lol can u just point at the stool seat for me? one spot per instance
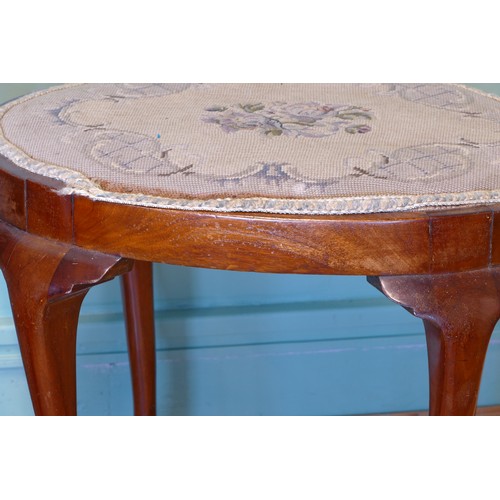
(398, 182)
(271, 148)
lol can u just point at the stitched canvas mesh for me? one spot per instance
(285, 148)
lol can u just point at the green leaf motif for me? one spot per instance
(252, 108)
(213, 109)
(353, 115)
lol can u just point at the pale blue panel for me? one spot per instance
(4, 301)
(323, 378)
(9, 91)
(191, 287)
(187, 287)
(221, 369)
(491, 88)
(14, 396)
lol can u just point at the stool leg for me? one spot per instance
(47, 283)
(137, 291)
(459, 312)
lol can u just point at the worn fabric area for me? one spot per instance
(277, 148)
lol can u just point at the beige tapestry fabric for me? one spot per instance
(277, 148)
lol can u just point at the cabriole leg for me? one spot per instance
(137, 291)
(47, 282)
(459, 312)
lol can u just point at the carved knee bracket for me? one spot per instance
(47, 282)
(459, 312)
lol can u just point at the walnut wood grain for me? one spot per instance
(47, 282)
(495, 240)
(459, 311)
(254, 242)
(421, 242)
(137, 291)
(12, 202)
(460, 242)
(389, 244)
(50, 214)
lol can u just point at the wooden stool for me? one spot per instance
(396, 182)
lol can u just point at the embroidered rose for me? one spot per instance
(311, 119)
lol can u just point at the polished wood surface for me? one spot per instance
(424, 242)
(47, 282)
(137, 290)
(257, 242)
(440, 264)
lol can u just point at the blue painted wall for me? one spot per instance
(248, 344)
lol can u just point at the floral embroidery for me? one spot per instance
(310, 119)
(104, 147)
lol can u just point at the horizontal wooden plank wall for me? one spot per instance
(248, 344)
(232, 344)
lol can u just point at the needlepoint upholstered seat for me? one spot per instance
(398, 182)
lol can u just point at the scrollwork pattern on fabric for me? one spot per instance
(137, 154)
(363, 148)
